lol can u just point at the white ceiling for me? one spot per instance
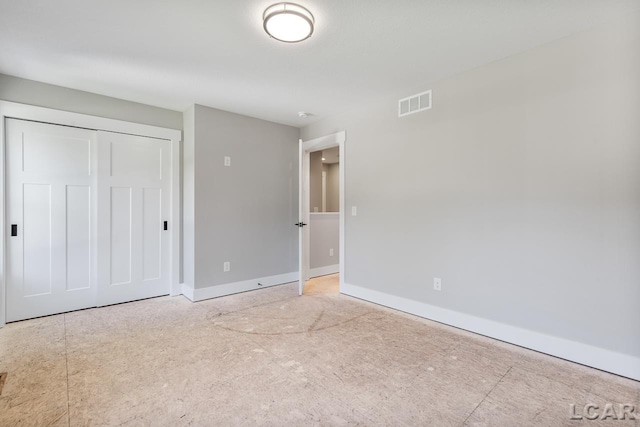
(173, 53)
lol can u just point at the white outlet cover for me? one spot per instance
(227, 161)
(437, 283)
(354, 211)
(226, 266)
(331, 252)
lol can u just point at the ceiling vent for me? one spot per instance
(414, 103)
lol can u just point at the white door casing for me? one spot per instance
(324, 191)
(50, 203)
(306, 147)
(134, 188)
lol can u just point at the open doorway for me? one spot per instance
(324, 222)
(321, 248)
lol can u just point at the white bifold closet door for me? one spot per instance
(88, 210)
(51, 219)
(133, 199)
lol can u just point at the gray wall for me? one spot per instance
(188, 198)
(244, 213)
(30, 92)
(315, 181)
(324, 231)
(520, 189)
(316, 167)
(333, 187)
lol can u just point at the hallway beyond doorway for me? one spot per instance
(325, 285)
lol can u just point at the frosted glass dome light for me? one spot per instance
(288, 22)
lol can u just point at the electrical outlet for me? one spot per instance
(227, 161)
(437, 283)
(331, 252)
(227, 266)
(354, 211)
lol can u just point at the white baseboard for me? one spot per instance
(323, 271)
(606, 360)
(187, 291)
(176, 290)
(200, 294)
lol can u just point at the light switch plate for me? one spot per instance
(354, 211)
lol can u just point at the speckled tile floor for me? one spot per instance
(270, 357)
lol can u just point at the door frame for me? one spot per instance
(12, 110)
(307, 147)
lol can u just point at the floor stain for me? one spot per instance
(310, 330)
(315, 322)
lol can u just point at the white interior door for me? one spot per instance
(134, 196)
(301, 276)
(51, 243)
(303, 215)
(306, 213)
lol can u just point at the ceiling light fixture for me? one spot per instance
(288, 22)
